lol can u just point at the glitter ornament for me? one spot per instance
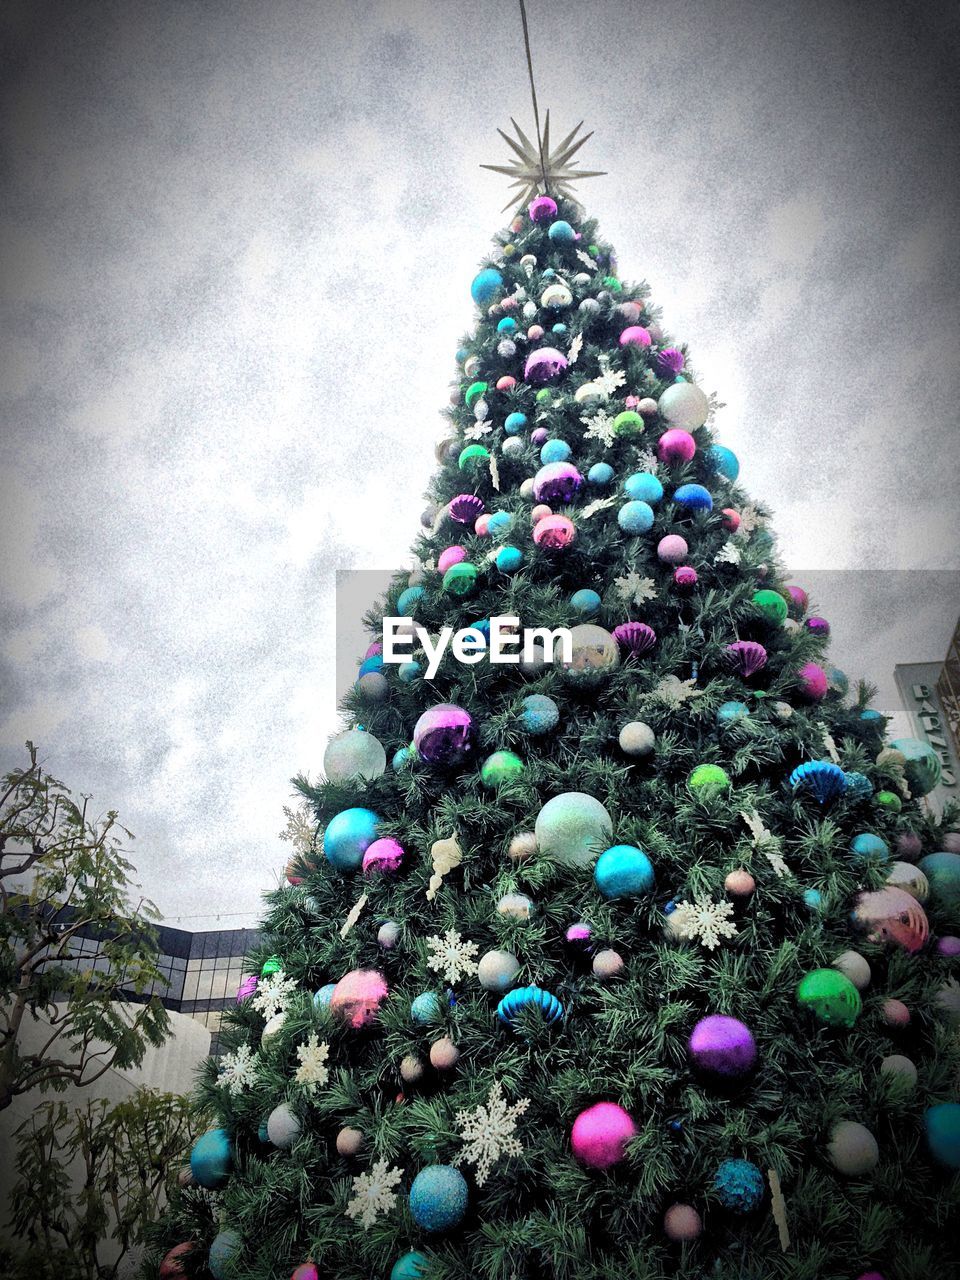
(853, 966)
(830, 996)
(283, 1127)
(171, 1268)
(722, 1047)
(643, 486)
(593, 653)
(554, 533)
(623, 871)
(635, 517)
(540, 714)
(739, 1186)
(600, 474)
(813, 682)
(607, 964)
(706, 778)
(682, 1223)
(498, 970)
(909, 845)
(306, 1271)
(347, 837)
(383, 857)
(514, 423)
(730, 519)
(890, 915)
(557, 482)
(354, 754)
(465, 508)
(852, 1149)
(211, 1159)
(358, 996)
(425, 1008)
(545, 365)
(523, 845)
(225, 1248)
(732, 711)
(438, 1197)
(411, 1069)
(895, 1013)
(676, 447)
(672, 549)
(518, 906)
(822, 779)
(942, 872)
(573, 828)
(637, 739)
(600, 1135)
(500, 767)
(444, 735)
(685, 575)
(684, 405)
(485, 286)
(585, 601)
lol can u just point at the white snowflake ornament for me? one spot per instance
(675, 692)
(301, 829)
(729, 553)
(488, 1132)
(477, 431)
(273, 994)
(598, 504)
(373, 1194)
(576, 346)
(599, 426)
(634, 589)
(702, 920)
(451, 956)
(312, 1071)
(238, 1071)
(609, 379)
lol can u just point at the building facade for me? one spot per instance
(930, 692)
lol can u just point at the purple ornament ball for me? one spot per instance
(544, 365)
(383, 857)
(600, 1135)
(819, 626)
(672, 549)
(542, 209)
(465, 508)
(685, 575)
(358, 995)
(247, 987)
(676, 445)
(540, 435)
(909, 846)
(723, 1047)
(444, 734)
(813, 681)
(669, 362)
(949, 947)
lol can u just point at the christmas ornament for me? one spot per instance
(388, 934)
(723, 462)
(635, 336)
(739, 883)
(514, 423)
(643, 487)
(306, 1271)
(593, 653)
(444, 735)
(373, 1194)
(573, 828)
(623, 871)
(601, 473)
(540, 714)
(600, 1135)
(347, 837)
(358, 996)
(425, 1008)
(853, 966)
(948, 947)
(485, 286)
(500, 767)
(942, 871)
(637, 739)
(900, 1069)
(412, 1266)
(852, 1149)
(557, 482)
(684, 405)
(746, 657)
(607, 964)
(555, 451)
(628, 423)
(225, 1248)
(270, 966)
(635, 637)
(515, 1002)
(693, 497)
(830, 996)
(465, 508)
(707, 778)
(703, 920)
(905, 876)
(772, 605)
(283, 1127)
(451, 956)
(561, 232)
(922, 764)
(554, 533)
(460, 579)
(739, 1186)
(247, 988)
(444, 1054)
(523, 845)
(856, 786)
(942, 1128)
(544, 365)
(675, 447)
(488, 1132)
(895, 1013)
(211, 1159)
(681, 1223)
(515, 905)
(672, 549)
(821, 778)
(354, 754)
(893, 916)
(909, 845)
(731, 712)
(635, 517)
(383, 857)
(813, 681)
(438, 1197)
(445, 854)
(867, 845)
(722, 1047)
(497, 970)
(171, 1268)
(349, 1141)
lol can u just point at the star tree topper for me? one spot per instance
(556, 171)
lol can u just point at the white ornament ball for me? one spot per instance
(512, 445)
(517, 906)
(853, 966)
(556, 296)
(589, 393)
(528, 260)
(480, 410)
(900, 1068)
(537, 660)
(852, 1149)
(349, 1141)
(607, 964)
(581, 278)
(411, 1069)
(947, 1001)
(637, 738)
(529, 310)
(589, 307)
(444, 1054)
(791, 624)
(506, 347)
(523, 845)
(647, 407)
(373, 686)
(526, 488)
(684, 405)
(783, 710)
(497, 970)
(905, 876)
(273, 1025)
(471, 366)
(283, 1127)
(388, 934)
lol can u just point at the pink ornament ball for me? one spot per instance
(305, 1271)
(813, 681)
(544, 365)
(730, 519)
(909, 846)
(681, 1222)
(672, 549)
(535, 332)
(374, 650)
(555, 533)
(685, 575)
(506, 383)
(798, 599)
(579, 934)
(950, 842)
(481, 526)
(450, 556)
(948, 947)
(542, 209)
(635, 336)
(895, 1013)
(647, 407)
(349, 1141)
(676, 446)
(516, 225)
(540, 512)
(600, 1135)
(358, 995)
(383, 857)
(630, 312)
(444, 1054)
(870, 1275)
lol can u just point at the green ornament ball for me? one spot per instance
(628, 423)
(502, 766)
(612, 283)
(889, 800)
(473, 393)
(772, 605)
(472, 456)
(272, 964)
(460, 579)
(923, 768)
(706, 778)
(830, 996)
(543, 396)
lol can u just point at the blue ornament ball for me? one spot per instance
(425, 1008)
(438, 1197)
(555, 451)
(540, 714)
(731, 712)
(500, 522)
(507, 325)
(559, 328)
(411, 1266)
(601, 473)
(694, 497)
(509, 559)
(644, 487)
(347, 837)
(224, 1250)
(867, 845)
(585, 601)
(723, 461)
(942, 1126)
(561, 232)
(635, 517)
(406, 603)
(514, 423)
(462, 354)
(521, 998)
(323, 997)
(623, 871)
(813, 899)
(486, 284)
(482, 627)
(739, 1185)
(872, 717)
(373, 663)
(820, 777)
(211, 1159)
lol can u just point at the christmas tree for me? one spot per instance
(635, 959)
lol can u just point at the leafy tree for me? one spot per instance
(63, 875)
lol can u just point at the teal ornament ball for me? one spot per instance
(408, 672)
(813, 899)
(693, 497)
(522, 998)
(514, 423)
(347, 837)
(555, 451)
(323, 997)
(942, 1127)
(438, 1197)
(923, 768)
(509, 559)
(635, 517)
(867, 845)
(739, 1186)
(561, 232)
(407, 601)
(500, 522)
(374, 662)
(586, 602)
(354, 754)
(723, 462)
(411, 1266)
(600, 474)
(857, 786)
(224, 1250)
(211, 1159)
(730, 712)
(943, 872)
(623, 871)
(401, 756)
(486, 285)
(572, 828)
(643, 486)
(425, 1008)
(540, 714)
(838, 681)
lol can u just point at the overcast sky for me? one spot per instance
(237, 241)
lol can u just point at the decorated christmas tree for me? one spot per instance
(624, 953)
